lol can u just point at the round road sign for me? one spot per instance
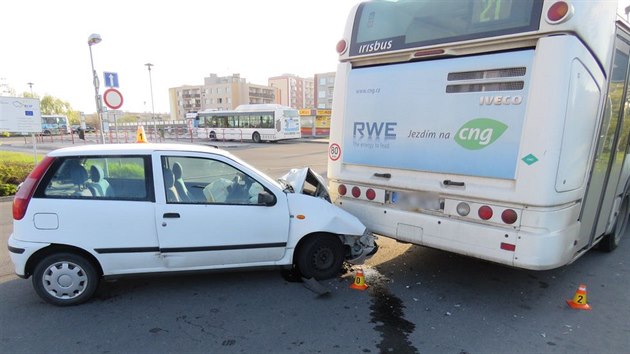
(113, 98)
(334, 152)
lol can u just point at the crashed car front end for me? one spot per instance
(360, 247)
(303, 186)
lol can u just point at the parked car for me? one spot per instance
(100, 211)
(88, 129)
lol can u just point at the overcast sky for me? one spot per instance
(45, 42)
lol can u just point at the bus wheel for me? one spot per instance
(611, 241)
(256, 137)
(212, 136)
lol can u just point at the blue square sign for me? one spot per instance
(111, 79)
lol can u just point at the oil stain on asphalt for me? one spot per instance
(388, 315)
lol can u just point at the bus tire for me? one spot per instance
(212, 136)
(256, 137)
(611, 241)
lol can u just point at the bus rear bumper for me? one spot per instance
(535, 249)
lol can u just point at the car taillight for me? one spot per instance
(356, 192)
(509, 216)
(485, 212)
(559, 12)
(342, 190)
(24, 194)
(370, 194)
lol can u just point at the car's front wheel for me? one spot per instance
(320, 257)
(65, 279)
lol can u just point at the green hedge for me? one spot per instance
(14, 167)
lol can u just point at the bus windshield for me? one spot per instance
(381, 27)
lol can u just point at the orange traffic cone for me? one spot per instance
(359, 281)
(579, 299)
(141, 137)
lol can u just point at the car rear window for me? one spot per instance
(99, 177)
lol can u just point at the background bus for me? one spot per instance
(258, 122)
(55, 125)
(491, 128)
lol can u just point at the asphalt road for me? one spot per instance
(418, 300)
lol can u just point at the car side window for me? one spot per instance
(98, 177)
(207, 181)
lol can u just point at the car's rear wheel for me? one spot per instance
(320, 257)
(65, 279)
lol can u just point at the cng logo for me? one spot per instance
(479, 133)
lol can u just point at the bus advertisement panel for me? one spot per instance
(391, 110)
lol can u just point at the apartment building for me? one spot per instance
(220, 93)
(324, 88)
(295, 91)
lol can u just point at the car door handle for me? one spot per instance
(171, 215)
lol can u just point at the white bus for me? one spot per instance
(496, 129)
(55, 125)
(258, 122)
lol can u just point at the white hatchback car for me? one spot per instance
(110, 210)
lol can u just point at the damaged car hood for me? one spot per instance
(306, 181)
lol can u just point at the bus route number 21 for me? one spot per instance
(334, 152)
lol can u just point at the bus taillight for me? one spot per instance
(356, 192)
(485, 212)
(342, 190)
(370, 194)
(463, 209)
(509, 216)
(341, 46)
(559, 12)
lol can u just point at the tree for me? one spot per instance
(52, 105)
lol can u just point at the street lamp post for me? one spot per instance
(149, 65)
(30, 85)
(92, 40)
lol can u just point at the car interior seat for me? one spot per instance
(169, 180)
(99, 183)
(180, 186)
(79, 177)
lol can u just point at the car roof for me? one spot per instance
(134, 149)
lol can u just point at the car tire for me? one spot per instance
(320, 257)
(611, 241)
(256, 137)
(65, 279)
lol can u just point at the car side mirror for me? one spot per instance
(266, 198)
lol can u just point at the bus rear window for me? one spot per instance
(382, 26)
